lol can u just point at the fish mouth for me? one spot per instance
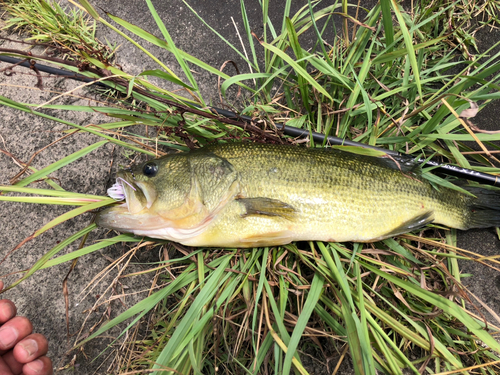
(137, 197)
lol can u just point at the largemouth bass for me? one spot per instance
(247, 195)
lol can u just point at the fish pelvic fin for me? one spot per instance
(415, 223)
(267, 207)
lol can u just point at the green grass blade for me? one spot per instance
(363, 331)
(309, 305)
(71, 214)
(173, 48)
(286, 15)
(388, 360)
(52, 193)
(419, 338)
(173, 348)
(241, 77)
(161, 43)
(409, 47)
(41, 263)
(283, 333)
(366, 100)
(89, 8)
(352, 337)
(261, 355)
(59, 164)
(394, 55)
(297, 49)
(397, 248)
(90, 249)
(50, 200)
(483, 137)
(21, 107)
(326, 69)
(385, 5)
(248, 30)
(297, 68)
(355, 331)
(444, 304)
(201, 324)
(258, 294)
(319, 38)
(254, 65)
(131, 28)
(357, 50)
(144, 306)
(168, 77)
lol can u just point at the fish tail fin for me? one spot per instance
(483, 211)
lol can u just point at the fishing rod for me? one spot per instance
(446, 169)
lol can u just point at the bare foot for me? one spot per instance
(21, 352)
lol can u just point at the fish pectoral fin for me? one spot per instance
(267, 207)
(415, 223)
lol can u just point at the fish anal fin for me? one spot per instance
(416, 222)
(267, 207)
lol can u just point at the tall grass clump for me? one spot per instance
(66, 30)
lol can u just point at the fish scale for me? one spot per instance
(246, 194)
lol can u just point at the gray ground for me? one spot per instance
(41, 297)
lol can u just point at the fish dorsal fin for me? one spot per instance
(414, 223)
(401, 163)
(267, 207)
(404, 163)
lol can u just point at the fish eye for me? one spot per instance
(150, 169)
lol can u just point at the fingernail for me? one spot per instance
(30, 346)
(36, 365)
(6, 311)
(8, 336)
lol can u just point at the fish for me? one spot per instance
(251, 195)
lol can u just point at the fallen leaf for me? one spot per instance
(471, 112)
